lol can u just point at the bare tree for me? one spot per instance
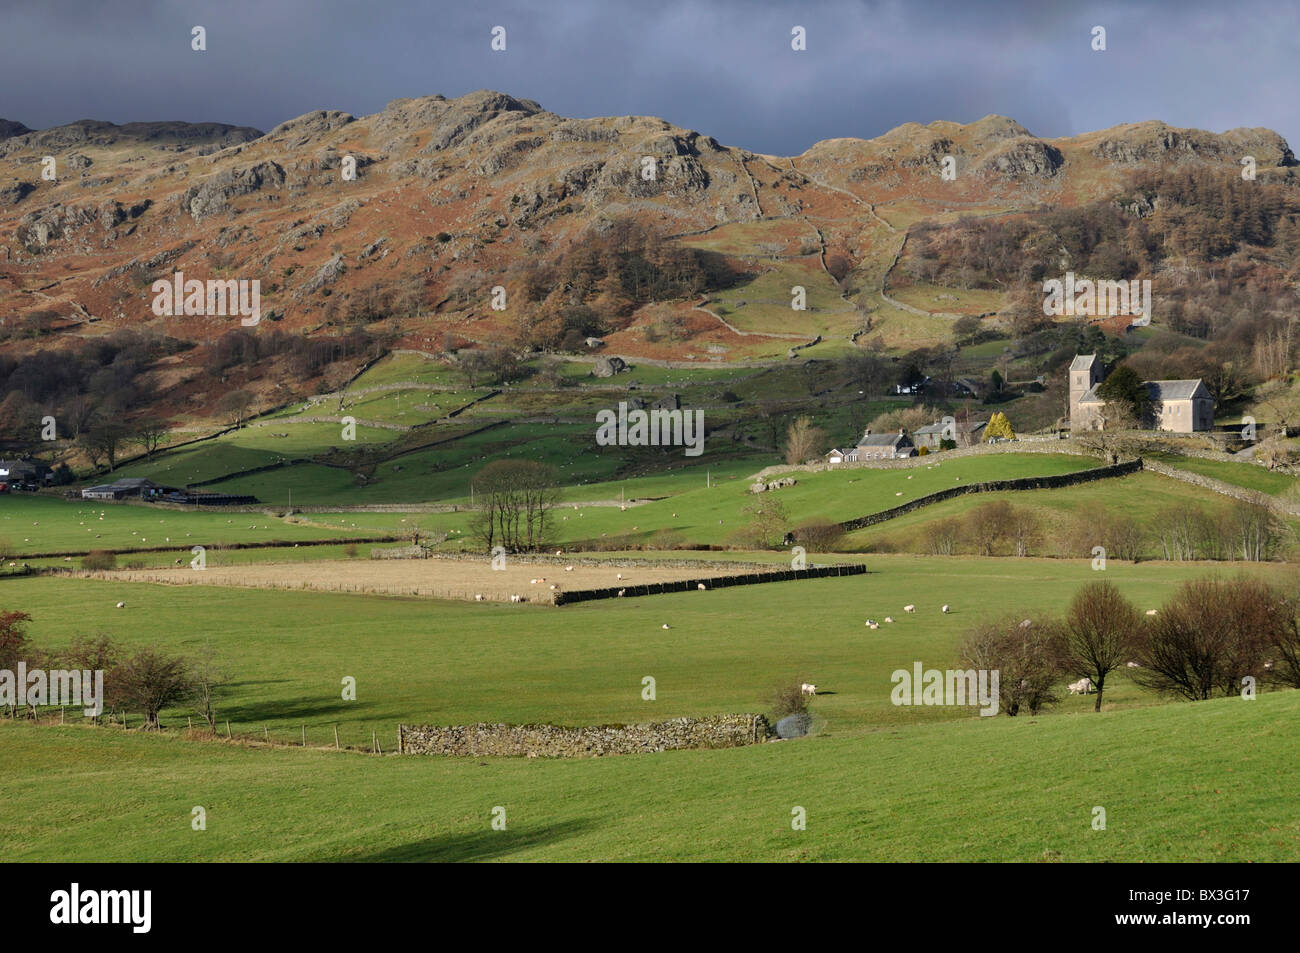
(803, 441)
(1027, 658)
(235, 406)
(150, 434)
(150, 681)
(989, 525)
(1209, 636)
(767, 520)
(209, 677)
(1100, 633)
(513, 500)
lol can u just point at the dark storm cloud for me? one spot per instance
(723, 67)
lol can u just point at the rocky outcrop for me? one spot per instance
(608, 366)
(216, 192)
(91, 132)
(1023, 157)
(9, 128)
(555, 741)
(462, 116)
(1154, 141)
(15, 192)
(327, 274)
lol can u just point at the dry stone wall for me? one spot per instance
(713, 582)
(594, 741)
(992, 486)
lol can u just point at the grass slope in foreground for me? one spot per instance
(1212, 781)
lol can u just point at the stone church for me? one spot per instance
(1181, 406)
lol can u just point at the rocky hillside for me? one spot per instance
(453, 196)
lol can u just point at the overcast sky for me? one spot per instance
(724, 67)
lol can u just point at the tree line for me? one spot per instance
(1212, 637)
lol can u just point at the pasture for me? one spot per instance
(471, 579)
(1207, 782)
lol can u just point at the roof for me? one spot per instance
(126, 482)
(1082, 362)
(881, 439)
(1173, 390)
(1157, 390)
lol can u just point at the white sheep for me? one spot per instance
(516, 598)
(701, 586)
(121, 605)
(889, 618)
(478, 597)
(1132, 665)
(806, 689)
(944, 610)
(909, 608)
(1151, 612)
(568, 569)
(667, 626)
(620, 593)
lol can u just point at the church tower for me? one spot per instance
(1085, 373)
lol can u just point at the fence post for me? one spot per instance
(304, 736)
(336, 737)
(227, 729)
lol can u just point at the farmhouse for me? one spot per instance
(882, 446)
(25, 471)
(1179, 406)
(138, 488)
(965, 434)
(128, 487)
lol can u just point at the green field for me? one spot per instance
(1245, 474)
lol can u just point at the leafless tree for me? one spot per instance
(1100, 633)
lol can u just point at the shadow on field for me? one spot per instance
(480, 845)
(290, 711)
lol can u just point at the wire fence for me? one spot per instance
(333, 736)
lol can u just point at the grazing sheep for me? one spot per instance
(1132, 665)
(554, 588)
(667, 626)
(121, 605)
(478, 597)
(889, 618)
(516, 598)
(619, 576)
(944, 609)
(1151, 612)
(806, 689)
(620, 593)
(568, 569)
(1027, 623)
(701, 587)
(909, 608)
(1082, 687)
